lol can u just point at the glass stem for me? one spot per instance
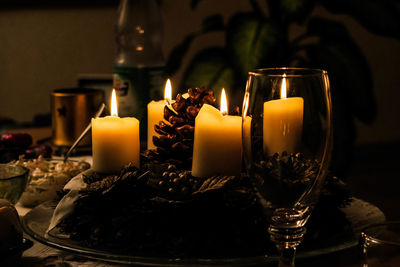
(286, 241)
(287, 256)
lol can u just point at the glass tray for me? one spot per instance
(35, 224)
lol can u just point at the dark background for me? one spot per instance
(46, 46)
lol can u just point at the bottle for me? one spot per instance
(139, 64)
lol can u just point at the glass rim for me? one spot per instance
(371, 238)
(279, 72)
(23, 169)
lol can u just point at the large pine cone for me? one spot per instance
(176, 135)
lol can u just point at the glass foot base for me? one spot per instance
(286, 237)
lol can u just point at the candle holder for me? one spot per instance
(287, 139)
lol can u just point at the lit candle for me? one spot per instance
(155, 114)
(217, 148)
(115, 141)
(283, 123)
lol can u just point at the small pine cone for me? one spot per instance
(176, 134)
(164, 129)
(179, 103)
(185, 131)
(201, 96)
(175, 140)
(192, 111)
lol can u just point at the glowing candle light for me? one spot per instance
(155, 113)
(115, 141)
(217, 148)
(282, 123)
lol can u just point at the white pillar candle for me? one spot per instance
(282, 123)
(155, 114)
(217, 148)
(115, 142)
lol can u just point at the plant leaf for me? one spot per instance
(326, 29)
(214, 183)
(347, 67)
(377, 16)
(213, 23)
(256, 8)
(174, 61)
(175, 58)
(291, 10)
(250, 40)
(209, 68)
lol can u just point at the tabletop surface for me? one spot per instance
(372, 178)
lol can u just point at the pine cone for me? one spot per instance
(175, 140)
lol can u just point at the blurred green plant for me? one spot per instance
(260, 38)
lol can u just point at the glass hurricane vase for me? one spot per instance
(287, 143)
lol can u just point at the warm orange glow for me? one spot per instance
(168, 91)
(283, 87)
(224, 103)
(114, 106)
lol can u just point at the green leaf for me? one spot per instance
(290, 10)
(377, 16)
(175, 58)
(256, 8)
(250, 41)
(213, 23)
(210, 68)
(347, 67)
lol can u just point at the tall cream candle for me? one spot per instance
(217, 148)
(282, 123)
(155, 113)
(115, 142)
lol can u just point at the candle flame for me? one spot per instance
(114, 107)
(168, 91)
(283, 87)
(224, 104)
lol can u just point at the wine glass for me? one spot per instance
(287, 141)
